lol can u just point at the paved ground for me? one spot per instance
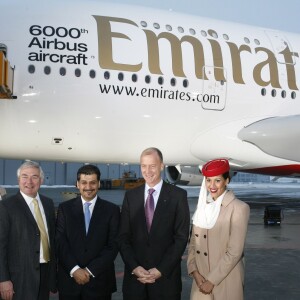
(272, 252)
(272, 257)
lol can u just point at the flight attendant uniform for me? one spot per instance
(216, 252)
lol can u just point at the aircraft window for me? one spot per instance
(134, 77)
(62, 71)
(192, 31)
(92, 73)
(185, 83)
(47, 70)
(144, 24)
(283, 94)
(121, 76)
(31, 69)
(173, 81)
(106, 75)
(203, 33)
(160, 80)
(273, 93)
(156, 26)
(226, 37)
(169, 27)
(180, 29)
(212, 33)
(222, 82)
(256, 41)
(147, 79)
(293, 95)
(77, 72)
(263, 92)
(247, 41)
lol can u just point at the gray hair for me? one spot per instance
(153, 150)
(31, 164)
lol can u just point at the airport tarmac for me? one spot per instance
(272, 253)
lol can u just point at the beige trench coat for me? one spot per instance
(217, 253)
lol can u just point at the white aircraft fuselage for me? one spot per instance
(96, 82)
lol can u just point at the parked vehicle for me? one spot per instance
(273, 215)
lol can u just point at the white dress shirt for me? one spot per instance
(155, 194)
(28, 200)
(91, 208)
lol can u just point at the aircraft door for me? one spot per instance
(214, 91)
(279, 43)
(6, 75)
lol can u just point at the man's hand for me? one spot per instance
(6, 290)
(143, 275)
(81, 276)
(156, 274)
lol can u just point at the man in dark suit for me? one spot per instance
(154, 231)
(27, 229)
(86, 232)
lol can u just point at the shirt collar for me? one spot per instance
(29, 199)
(157, 187)
(93, 201)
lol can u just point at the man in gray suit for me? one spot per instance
(27, 225)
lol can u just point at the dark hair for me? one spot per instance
(153, 150)
(88, 170)
(226, 175)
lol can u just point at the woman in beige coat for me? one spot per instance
(215, 254)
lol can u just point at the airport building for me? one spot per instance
(249, 177)
(58, 173)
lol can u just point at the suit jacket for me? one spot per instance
(97, 250)
(20, 246)
(162, 247)
(217, 253)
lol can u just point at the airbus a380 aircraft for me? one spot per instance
(95, 82)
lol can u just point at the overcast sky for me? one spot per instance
(275, 14)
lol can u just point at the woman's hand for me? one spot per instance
(198, 278)
(206, 287)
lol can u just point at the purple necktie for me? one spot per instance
(149, 208)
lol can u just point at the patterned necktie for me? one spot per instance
(87, 215)
(43, 233)
(149, 208)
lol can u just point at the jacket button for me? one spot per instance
(205, 253)
(198, 252)
(205, 236)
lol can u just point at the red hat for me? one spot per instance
(215, 167)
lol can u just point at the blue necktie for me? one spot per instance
(149, 208)
(87, 215)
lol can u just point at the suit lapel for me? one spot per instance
(161, 206)
(229, 196)
(139, 204)
(25, 209)
(97, 212)
(78, 213)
